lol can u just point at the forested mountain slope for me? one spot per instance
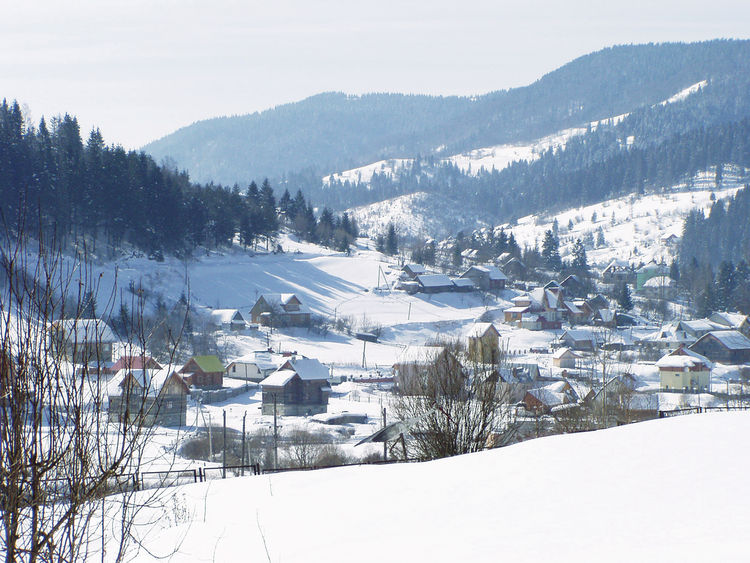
(333, 131)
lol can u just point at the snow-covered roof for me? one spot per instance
(730, 339)
(572, 307)
(494, 272)
(733, 320)
(415, 268)
(516, 309)
(308, 369)
(606, 315)
(151, 380)
(579, 335)
(560, 352)
(659, 281)
(463, 282)
(84, 330)
(226, 316)
(278, 298)
(434, 280)
(419, 354)
(478, 330)
(683, 358)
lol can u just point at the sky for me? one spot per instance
(140, 69)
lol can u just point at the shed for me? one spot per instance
(204, 372)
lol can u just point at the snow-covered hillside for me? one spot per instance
(634, 228)
(640, 492)
(418, 215)
(495, 157)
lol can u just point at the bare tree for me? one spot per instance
(452, 409)
(60, 455)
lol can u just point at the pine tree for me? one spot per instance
(391, 240)
(624, 300)
(580, 262)
(551, 251)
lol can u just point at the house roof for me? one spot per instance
(579, 335)
(730, 339)
(493, 272)
(682, 358)
(308, 369)
(278, 298)
(733, 320)
(518, 309)
(419, 354)
(561, 352)
(434, 280)
(415, 268)
(151, 380)
(463, 282)
(135, 362)
(478, 330)
(84, 330)
(606, 315)
(659, 281)
(701, 325)
(226, 316)
(572, 307)
(208, 364)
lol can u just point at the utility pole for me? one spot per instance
(224, 447)
(385, 442)
(408, 315)
(364, 347)
(243, 462)
(275, 436)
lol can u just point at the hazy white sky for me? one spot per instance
(141, 69)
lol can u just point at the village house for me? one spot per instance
(488, 278)
(411, 271)
(279, 309)
(254, 367)
(203, 372)
(724, 346)
(148, 396)
(229, 319)
(605, 318)
(540, 309)
(618, 272)
(732, 321)
(543, 399)
(698, 328)
(82, 340)
(463, 285)
(645, 273)
(573, 286)
(484, 343)
(515, 268)
(670, 337)
(684, 369)
(418, 360)
(579, 339)
(659, 287)
(565, 358)
(434, 283)
(300, 387)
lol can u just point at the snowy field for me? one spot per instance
(640, 492)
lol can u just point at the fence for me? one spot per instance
(698, 410)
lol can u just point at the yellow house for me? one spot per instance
(684, 369)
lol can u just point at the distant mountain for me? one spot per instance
(332, 132)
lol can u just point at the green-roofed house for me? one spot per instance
(204, 372)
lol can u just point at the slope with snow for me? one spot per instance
(664, 490)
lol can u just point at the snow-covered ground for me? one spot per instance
(663, 490)
(634, 227)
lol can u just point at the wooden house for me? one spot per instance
(573, 286)
(659, 287)
(565, 358)
(435, 283)
(544, 399)
(82, 340)
(204, 372)
(148, 396)
(254, 367)
(732, 321)
(134, 362)
(617, 272)
(578, 339)
(300, 387)
(488, 278)
(724, 346)
(484, 343)
(684, 369)
(411, 271)
(279, 309)
(515, 269)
